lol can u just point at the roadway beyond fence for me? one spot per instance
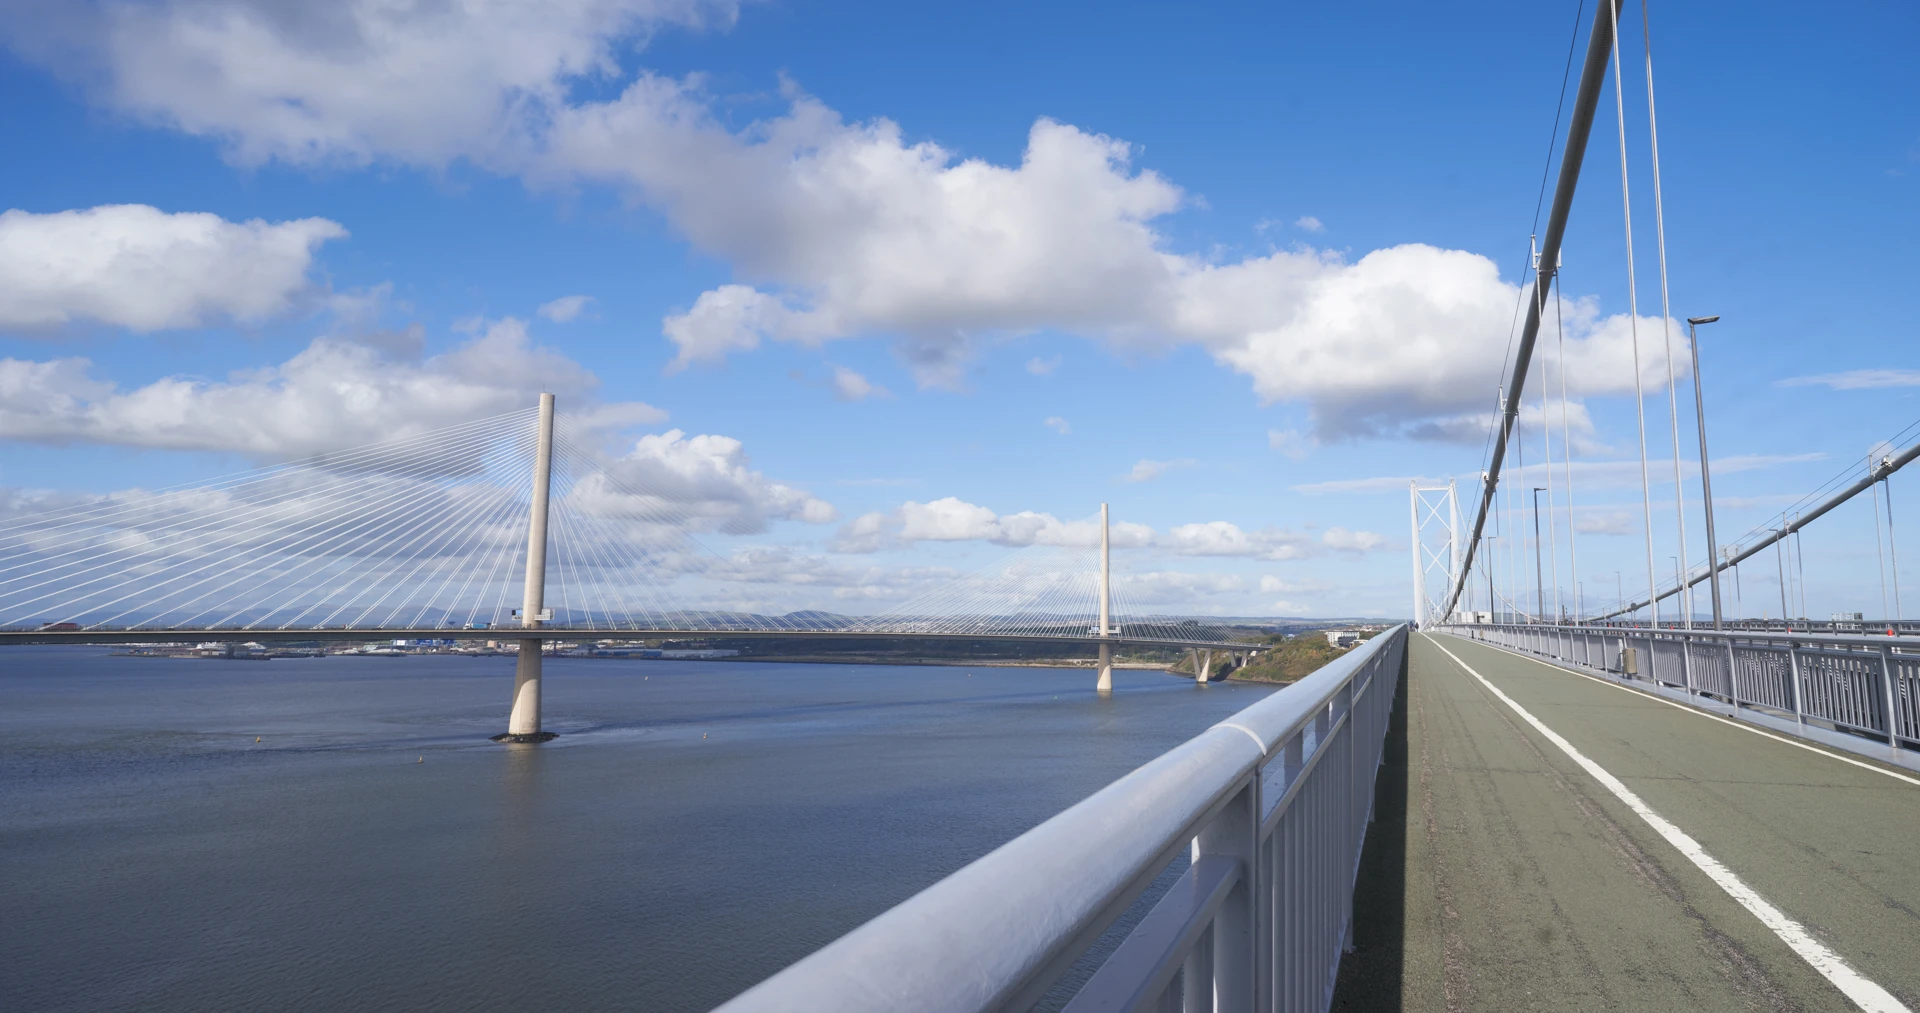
(1609, 850)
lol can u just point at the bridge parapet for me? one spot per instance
(1854, 691)
(1269, 809)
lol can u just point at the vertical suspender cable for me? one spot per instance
(1633, 327)
(1666, 332)
(1879, 552)
(1886, 485)
(1566, 440)
(1546, 441)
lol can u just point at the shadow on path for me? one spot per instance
(1370, 976)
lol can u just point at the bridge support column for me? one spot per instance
(1105, 683)
(523, 722)
(1204, 671)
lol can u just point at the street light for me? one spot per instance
(1706, 480)
(1539, 582)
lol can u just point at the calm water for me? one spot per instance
(698, 826)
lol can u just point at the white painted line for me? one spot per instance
(1709, 715)
(1865, 993)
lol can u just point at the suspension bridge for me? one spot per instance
(1521, 805)
(1502, 805)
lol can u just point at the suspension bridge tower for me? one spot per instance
(1436, 546)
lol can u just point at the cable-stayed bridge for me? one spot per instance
(521, 526)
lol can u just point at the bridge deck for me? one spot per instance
(1502, 875)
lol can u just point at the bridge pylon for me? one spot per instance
(1105, 685)
(523, 722)
(1436, 545)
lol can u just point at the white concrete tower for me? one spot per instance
(1105, 684)
(523, 725)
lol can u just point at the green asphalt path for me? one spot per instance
(1500, 875)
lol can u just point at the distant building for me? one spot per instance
(1342, 638)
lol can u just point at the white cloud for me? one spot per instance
(1605, 522)
(354, 81)
(955, 520)
(1290, 443)
(1176, 590)
(1224, 538)
(565, 309)
(1043, 367)
(692, 483)
(1308, 223)
(335, 394)
(836, 229)
(1343, 540)
(1308, 585)
(134, 266)
(851, 386)
(951, 519)
(1857, 379)
(1146, 471)
(1057, 424)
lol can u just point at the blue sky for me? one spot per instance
(1253, 255)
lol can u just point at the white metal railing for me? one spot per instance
(1865, 686)
(1269, 809)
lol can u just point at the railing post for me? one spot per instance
(1234, 833)
(1686, 661)
(1886, 681)
(1793, 674)
(1733, 673)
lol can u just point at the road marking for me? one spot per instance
(1742, 725)
(1863, 991)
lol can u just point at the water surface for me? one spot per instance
(696, 827)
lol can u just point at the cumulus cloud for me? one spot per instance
(1308, 223)
(1043, 367)
(839, 229)
(1343, 540)
(1224, 538)
(1146, 471)
(335, 394)
(951, 519)
(692, 483)
(134, 266)
(565, 309)
(1174, 589)
(1057, 424)
(851, 386)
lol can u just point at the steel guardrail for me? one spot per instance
(1853, 690)
(1268, 809)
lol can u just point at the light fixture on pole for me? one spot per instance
(1706, 479)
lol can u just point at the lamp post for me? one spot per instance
(1539, 581)
(1706, 480)
(1619, 595)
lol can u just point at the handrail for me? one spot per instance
(997, 934)
(1858, 692)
